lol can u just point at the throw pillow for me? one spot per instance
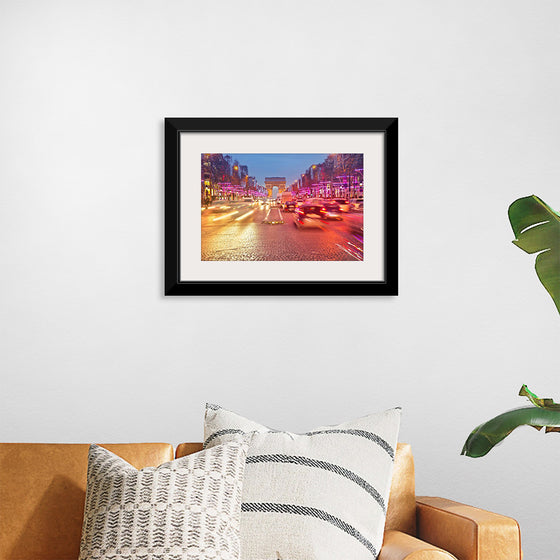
(313, 496)
(185, 509)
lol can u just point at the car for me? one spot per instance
(309, 214)
(357, 205)
(332, 210)
(289, 206)
(343, 203)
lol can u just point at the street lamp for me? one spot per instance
(314, 178)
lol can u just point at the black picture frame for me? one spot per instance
(175, 286)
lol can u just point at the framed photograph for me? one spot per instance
(281, 206)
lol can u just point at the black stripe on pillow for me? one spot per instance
(312, 512)
(315, 463)
(360, 433)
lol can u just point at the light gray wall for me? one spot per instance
(92, 351)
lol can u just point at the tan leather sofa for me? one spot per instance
(42, 492)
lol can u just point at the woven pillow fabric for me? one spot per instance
(185, 509)
(321, 495)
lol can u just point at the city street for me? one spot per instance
(251, 231)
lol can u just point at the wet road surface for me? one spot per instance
(246, 231)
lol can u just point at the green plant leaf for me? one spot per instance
(543, 413)
(483, 438)
(536, 227)
(537, 401)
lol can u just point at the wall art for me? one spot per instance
(281, 206)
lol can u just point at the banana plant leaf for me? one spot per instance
(536, 227)
(537, 401)
(543, 413)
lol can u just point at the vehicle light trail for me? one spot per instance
(354, 254)
(226, 215)
(244, 215)
(359, 249)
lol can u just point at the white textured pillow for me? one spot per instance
(321, 495)
(187, 509)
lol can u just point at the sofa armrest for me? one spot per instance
(467, 532)
(401, 546)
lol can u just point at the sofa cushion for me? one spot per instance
(186, 509)
(322, 494)
(42, 492)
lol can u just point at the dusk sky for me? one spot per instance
(290, 166)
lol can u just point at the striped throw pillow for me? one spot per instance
(313, 496)
(187, 509)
